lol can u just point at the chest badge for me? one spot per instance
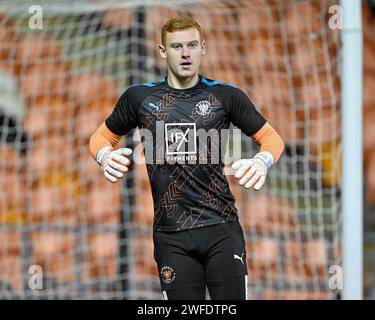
(203, 107)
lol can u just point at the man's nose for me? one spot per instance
(185, 52)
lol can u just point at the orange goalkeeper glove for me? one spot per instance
(252, 172)
(114, 163)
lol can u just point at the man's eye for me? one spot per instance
(192, 45)
(176, 46)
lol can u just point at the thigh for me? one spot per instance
(230, 290)
(226, 254)
(178, 269)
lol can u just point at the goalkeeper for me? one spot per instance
(198, 240)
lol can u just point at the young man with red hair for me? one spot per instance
(198, 240)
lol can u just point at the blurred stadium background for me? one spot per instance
(94, 239)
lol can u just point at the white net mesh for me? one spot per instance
(93, 239)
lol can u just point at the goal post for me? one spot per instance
(352, 188)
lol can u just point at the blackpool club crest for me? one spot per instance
(167, 274)
(203, 107)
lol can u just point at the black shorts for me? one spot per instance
(206, 256)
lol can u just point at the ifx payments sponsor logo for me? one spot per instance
(172, 143)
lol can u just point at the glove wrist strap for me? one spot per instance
(266, 157)
(101, 154)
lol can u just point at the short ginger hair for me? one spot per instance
(178, 24)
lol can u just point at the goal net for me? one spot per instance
(67, 233)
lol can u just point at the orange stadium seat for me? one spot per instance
(304, 263)
(317, 90)
(268, 214)
(368, 89)
(266, 251)
(49, 115)
(257, 17)
(8, 43)
(370, 179)
(7, 67)
(262, 53)
(369, 55)
(215, 20)
(11, 272)
(269, 295)
(103, 204)
(337, 248)
(42, 73)
(12, 182)
(287, 121)
(368, 134)
(260, 45)
(324, 137)
(220, 57)
(54, 252)
(293, 250)
(324, 128)
(89, 168)
(103, 245)
(49, 79)
(6, 34)
(262, 259)
(242, 198)
(293, 273)
(317, 295)
(369, 68)
(303, 17)
(145, 265)
(118, 18)
(10, 262)
(34, 48)
(144, 214)
(93, 87)
(51, 154)
(272, 88)
(100, 260)
(36, 119)
(12, 197)
(315, 259)
(214, 16)
(91, 116)
(308, 53)
(295, 295)
(283, 295)
(55, 203)
(9, 156)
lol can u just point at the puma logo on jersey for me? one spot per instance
(154, 106)
(238, 257)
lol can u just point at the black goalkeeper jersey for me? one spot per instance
(183, 138)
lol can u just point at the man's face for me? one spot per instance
(183, 51)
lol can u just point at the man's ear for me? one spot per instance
(203, 48)
(162, 51)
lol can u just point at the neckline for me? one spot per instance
(186, 90)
